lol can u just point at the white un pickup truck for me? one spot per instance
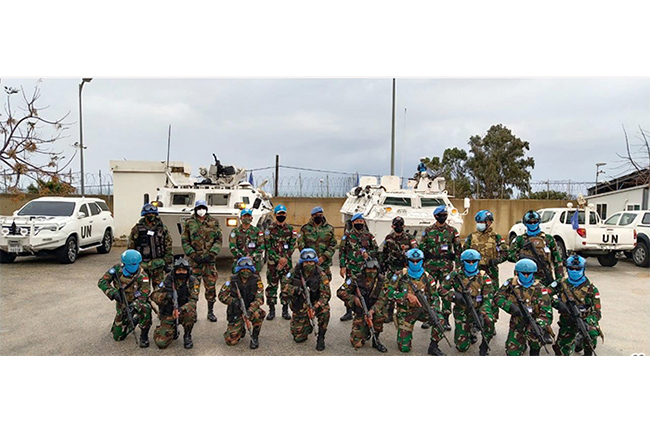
(62, 226)
(591, 239)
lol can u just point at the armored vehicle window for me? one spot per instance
(217, 199)
(94, 209)
(431, 202)
(613, 220)
(245, 200)
(626, 219)
(547, 216)
(182, 199)
(48, 208)
(397, 201)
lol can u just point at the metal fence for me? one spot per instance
(94, 183)
(573, 189)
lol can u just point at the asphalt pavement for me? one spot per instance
(51, 309)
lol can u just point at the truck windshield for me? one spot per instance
(48, 208)
(397, 201)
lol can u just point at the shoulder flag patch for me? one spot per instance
(394, 277)
(488, 281)
(111, 271)
(348, 281)
(267, 232)
(145, 279)
(228, 283)
(545, 291)
(232, 234)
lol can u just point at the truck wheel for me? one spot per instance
(640, 255)
(107, 243)
(7, 257)
(68, 253)
(561, 248)
(608, 260)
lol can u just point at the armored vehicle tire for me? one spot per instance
(608, 260)
(561, 248)
(7, 257)
(68, 253)
(107, 243)
(641, 255)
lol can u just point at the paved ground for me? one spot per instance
(52, 309)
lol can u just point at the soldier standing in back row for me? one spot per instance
(247, 240)
(318, 235)
(393, 256)
(152, 240)
(201, 241)
(357, 246)
(280, 240)
(441, 245)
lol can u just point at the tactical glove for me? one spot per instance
(198, 258)
(116, 296)
(562, 308)
(208, 258)
(458, 298)
(515, 310)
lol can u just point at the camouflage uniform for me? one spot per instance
(493, 250)
(319, 294)
(247, 243)
(137, 296)
(375, 294)
(154, 243)
(408, 314)
(353, 243)
(537, 299)
(203, 238)
(546, 248)
(394, 247)
(587, 299)
(280, 241)
(481, 293)
(441, 247)
(252, 291)
(188, 296)
(322, 240)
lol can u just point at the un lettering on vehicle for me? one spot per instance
(86, 231)
(607, 237)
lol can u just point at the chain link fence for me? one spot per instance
(571, 188)
(94, 183)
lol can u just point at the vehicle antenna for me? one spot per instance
(169, 141)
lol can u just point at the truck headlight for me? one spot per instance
(24, 231)
(5, 231)
(231, 222)
(51, 228)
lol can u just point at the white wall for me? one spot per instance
(618, 200)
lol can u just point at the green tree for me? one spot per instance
(54, 186)
(453, 168)
(498, 163)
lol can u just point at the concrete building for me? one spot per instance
(136, 183)
(628, 192)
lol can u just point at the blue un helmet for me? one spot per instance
(525, 269)
(308, 255)
(245, 263)
(576, 269)
(531, 221)
(148, 208)
(280, 208)
(246, 212)
(470, 259)
(483, 216)
(415, 259)
(131, 260)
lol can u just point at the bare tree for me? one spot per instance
(28, 139)
(637, 157)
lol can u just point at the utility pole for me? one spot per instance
(81, 136)
(277, 174)
(392, 139)
(169, 141)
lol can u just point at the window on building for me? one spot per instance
(627, 219)
(633, 207)
(601, 208)
(613, 220)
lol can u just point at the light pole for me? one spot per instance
(598, 171)
(81, 135)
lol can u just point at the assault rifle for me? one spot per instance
(434, 319)
(311, 314)
(579, 321)
(478, 322)
(125, 303)
(534, 326)
(175, 312)
(366, 315)
(244, 311)
(541, 263)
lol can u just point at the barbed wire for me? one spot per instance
(94, 183)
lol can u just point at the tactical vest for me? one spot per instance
(475, 288)
(150, 246)
(248, 291)
(312, 282)
(578, 294)
(370, 294)
(182, 292)
(486, 244)
(539, 244)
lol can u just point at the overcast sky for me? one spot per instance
(345, 124)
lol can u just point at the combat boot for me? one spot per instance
(254, 337)
(144, 337)
(271, 315)
(380, 347)
(187, 339)
(588, 351)
(348, 315)
(285, 312)
(534, 352)
(211, 316)
(483, 349)
(578, 348)
(434, 350)
(320, 340)
(472, 338)
(447, 325)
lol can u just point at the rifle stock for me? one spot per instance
(126, 305)
(475, 317)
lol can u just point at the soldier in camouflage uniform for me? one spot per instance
(280, 240)
(201, 241)
(187, 287)
(251, 288)
(490, 245)
(374, 289)
(478, 285)
(307, 273)
(152, 240)
(543, 244)
(318, 235)
(135, 284)
(586, 297)
(357, 246)
(409, 310)
(538, 301)
(393, 255)
(441, 245)
(247, 240)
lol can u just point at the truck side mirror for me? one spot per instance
(81, 215)
(257, 203)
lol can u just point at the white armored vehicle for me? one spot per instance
(381, 202)
(225, 190)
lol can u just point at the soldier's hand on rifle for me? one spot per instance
(175, 314)
(413, 300)
(357, 302)
(282, 263)
(365, 255)
(311, 313)
(515, 310)
(562, 308)
(342, 272)
(198, 258)
(116, 296)
(458, 298)
(371, 313)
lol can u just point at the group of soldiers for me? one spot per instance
(405, 283)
